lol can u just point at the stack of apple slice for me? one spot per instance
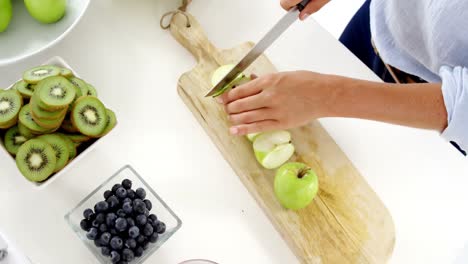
(296, 184)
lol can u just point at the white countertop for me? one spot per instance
(119, 47)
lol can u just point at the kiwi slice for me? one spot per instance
(10, 105)
(36, 160)
(56, 92)
(60, 147)
(13, 140)
(39, 73)
(25, 131)
(24, 88)
(89, 116)
(78, 138)
(9, 124)
(111, 122)
(80, 84)
(91, 90)
(67, 125)
(66, 72)
(40, 113)
(25, 118)
(70, 145)
(49, 124)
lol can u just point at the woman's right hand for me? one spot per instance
(312, 7)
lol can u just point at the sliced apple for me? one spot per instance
(252, 136)
(221, 72)
(272, 149)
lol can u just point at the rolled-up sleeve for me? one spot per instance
(455, 93)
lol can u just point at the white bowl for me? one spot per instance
(26, 37)
(58, 61)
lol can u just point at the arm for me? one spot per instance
(291, 99)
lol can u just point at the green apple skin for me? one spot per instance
(252, 136)
(6, 12)
(46, 11)
(221, 72)
(295, 185)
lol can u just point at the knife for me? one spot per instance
(283, 24)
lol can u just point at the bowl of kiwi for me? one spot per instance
(49, 119)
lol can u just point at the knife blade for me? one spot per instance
(289, 18)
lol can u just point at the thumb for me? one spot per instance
(312, 7)
(287, 4)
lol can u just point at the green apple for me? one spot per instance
(252, 136)
(272, 149)
(46, 11)
(296, 185)
(6, 12)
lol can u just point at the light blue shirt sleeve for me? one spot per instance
(455, 93)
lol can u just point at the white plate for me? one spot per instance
(26, 37)
(58, 61)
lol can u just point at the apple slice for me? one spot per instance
(272, 149)
(252, 136)
(221, 72)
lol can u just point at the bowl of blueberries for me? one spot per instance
(123, 221)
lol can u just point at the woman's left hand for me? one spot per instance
(278, 101)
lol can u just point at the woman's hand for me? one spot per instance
(312, 7)
(278, 101)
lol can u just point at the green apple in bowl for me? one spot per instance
(272, 149)
(6, 12)
(295, 185)
(46, 11)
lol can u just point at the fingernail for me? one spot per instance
(234, 130)
(305, 16)
(219, 100)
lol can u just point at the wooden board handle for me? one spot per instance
(193, 37)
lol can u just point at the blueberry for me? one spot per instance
(148, 230)
(103, 228)
(141, 193)
(110, 219)
(101, 218)
(148, 204)
(146, 212)
(84, 224)
(138, 252)
(127, 200)
(107, 194)
(122, 262)
(127, 184)
(121, 213)
(121, 193)
(88, 214)
(95, 224)
(113, 202)
(141, 220)
(139, 207)
(121, 224)
(115, 187)
(116, 243)
(98, 243)
(137, 200)
(140, 239)
(105, 238)
(127, 254)
(133, 232)
(92, 233)
(115, 257)
(130, 222)
(113, 231)
(101, 206)
(154, 237)
(105, 251)
(160, 227)
(145, 245)
(153, 217)
(127, 208)
(131, 243)
(131, 194)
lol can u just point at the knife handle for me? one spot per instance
(303, 4)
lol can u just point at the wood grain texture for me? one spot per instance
(346, 223)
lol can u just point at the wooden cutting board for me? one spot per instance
(346, 223)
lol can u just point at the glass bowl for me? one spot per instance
(160, 209)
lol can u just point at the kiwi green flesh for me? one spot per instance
(56, 92)
(92, 91)
(9, 124)
(60, 147)
(66, 72)
(39, 73)
(78, 138)
(70, 144)
(24, 88)
(77, 82)
(25, 131)
(13, 140)
(25, 117)
(10, 105)
(36, 160)
(38, 112)
(89, 116)
(67, 125)
(49, 124)
(111, 122)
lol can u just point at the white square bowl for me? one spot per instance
(57, 61)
